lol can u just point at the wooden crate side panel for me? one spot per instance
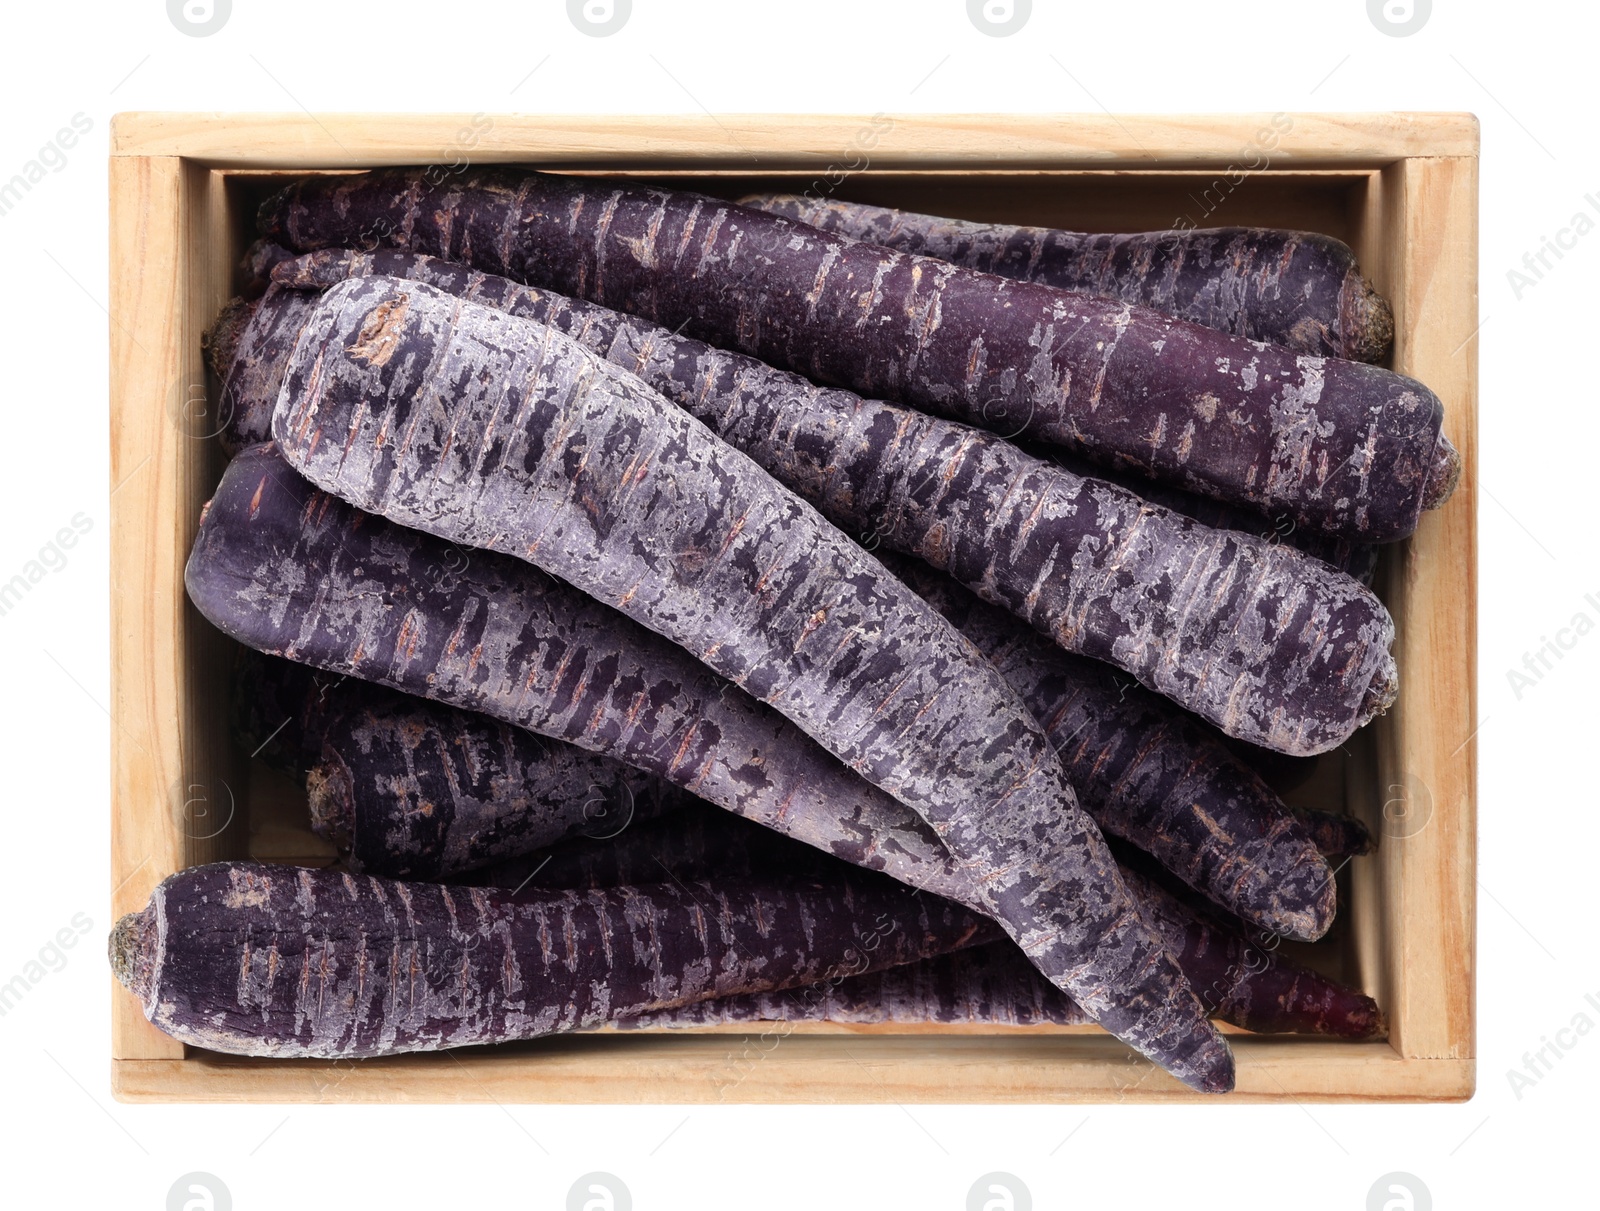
(1427, 752)
(794, 1069)
(148, 655)
(734, 140)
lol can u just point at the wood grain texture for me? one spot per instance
(1403, 194)
(176, 782)
(148, 547)
(1010, 1068)
(743, 141)
(1427, 748)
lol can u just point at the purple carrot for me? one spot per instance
(1356, 559)
(1250, 982)
(290, 570)
(277, 961)
(1150, 774)
(1335, 834)
(287, 569)
(991, 985)
(1243, 978)
(697, 842)
(500, 433)
(1293, 288)
(1281, 771)
(1260, 640)
(1340, 446)
(412, 789)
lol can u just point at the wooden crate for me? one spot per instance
(1401, 188)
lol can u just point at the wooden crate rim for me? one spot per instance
(1016, 140)
(166, 181)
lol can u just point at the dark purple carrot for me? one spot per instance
(1188, 786)
(1260, 640)
(277, 961)
(293, 571)
(1281, 771)
(1251, 984)
(290, 570)
(1244, 980)
(1357, 559)
(1335, 834)
(990, 985)
(412, 789)
(500, 433)
(1293, 288)
(698, 842)
(1150, 774)
(246, 349)
(1340, 446)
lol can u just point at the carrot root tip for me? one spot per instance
(332, 798)
(1368, 321)
(1444, 476)
(129, 955)
(220, 342)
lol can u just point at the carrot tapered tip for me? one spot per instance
(1445, 475)
(1301, 903)
(1382, 691)
(1210, 1069)
(1366, 320)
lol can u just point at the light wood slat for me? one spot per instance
(800, 1069)
(148, 222)
(746, 140)
(1428, 740)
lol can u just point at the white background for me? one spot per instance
(1527, 71)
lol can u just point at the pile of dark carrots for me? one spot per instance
(698, 612)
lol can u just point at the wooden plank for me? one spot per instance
(1427, 749)
(798, 1069)
(147, 551)
(735, 140)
